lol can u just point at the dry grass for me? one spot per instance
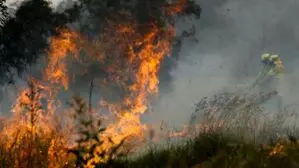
(223, 126)
(244, 115)
(231, 131)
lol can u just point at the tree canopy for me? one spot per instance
(24, 36)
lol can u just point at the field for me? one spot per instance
(235, 134)
(83, 77)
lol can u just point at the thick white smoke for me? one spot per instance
(232, 34)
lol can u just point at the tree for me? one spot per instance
(143, 12)
(25, 36)
(3, 12)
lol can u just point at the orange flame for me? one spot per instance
(141, 55)
(56, 72)
(177, 7)
(130, 58)
(31, 126)
(148, 59)
(277, 149)
(198, 128)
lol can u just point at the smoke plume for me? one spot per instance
(232, 34)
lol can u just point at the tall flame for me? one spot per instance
(56, 71)
(138, 55)
(130, 58)
(148, 59)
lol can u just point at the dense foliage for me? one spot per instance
(24, 35)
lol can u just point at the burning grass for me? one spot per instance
(34, 136)
(131, 61)
(224, 136)
(77, 139)
(214, 149)
(45, 133)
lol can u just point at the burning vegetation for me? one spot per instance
(136, 60)
(129, 51)
(126, 53)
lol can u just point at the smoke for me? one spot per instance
(232, 34)
(90, 25)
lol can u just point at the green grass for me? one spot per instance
(215, 150)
